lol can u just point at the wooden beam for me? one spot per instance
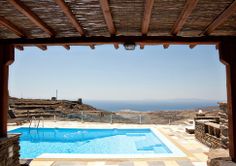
(67, 47)
(187, 10)
(21, 48)
(192, 46)
(11, 27)
(231, 9)
(92, 46)
(15, 30)
(227, 52)
(6, 58)
(70, 16)
(141, 45)
(147, 16)
(107, 16)
(165, 46)
(116, 45)
(99, 40)
(42, 47)
(21, 7)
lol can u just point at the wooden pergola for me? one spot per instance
(90, 23)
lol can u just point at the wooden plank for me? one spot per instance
(21, 7)
(116, 45)
(227, 52)
(42, 47)
(21, 48)
(192, 46)
(15, 30)
(165, 46)
(141, 46)
(92, 46)
(11, 27)
(6, 58)
(70, 16)
(187, 10)
(107, 16)
(231, 9)
(147, 16)
(67, 47)
(99, 40)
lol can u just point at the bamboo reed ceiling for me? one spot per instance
(109, 18)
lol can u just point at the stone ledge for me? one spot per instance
(219, 157)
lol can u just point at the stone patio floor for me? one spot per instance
(196, 153)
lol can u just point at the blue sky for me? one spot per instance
(105, 73)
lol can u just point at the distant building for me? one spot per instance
(54, 99)
(80, 101)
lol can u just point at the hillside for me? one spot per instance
(76, 110)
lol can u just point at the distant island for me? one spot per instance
(78, 111)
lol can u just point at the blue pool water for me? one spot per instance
(34, 142)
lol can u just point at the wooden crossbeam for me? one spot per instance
(42, 47)
(67, 47)
(99, 40)
(11, 27)
(32, 16)
(147, 16)
(187, 10)
(107, 16)
(231, 9)
(165, 46)
(108, 19)
(17, 31)
(116, 45)
(21, 48)
(70, 16)
(92, 46)
(192, 46)
(141, 45)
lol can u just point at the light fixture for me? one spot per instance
(129, 45)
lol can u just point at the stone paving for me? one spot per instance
(195, 151)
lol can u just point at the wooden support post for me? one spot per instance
(6, 58)
(228, 57)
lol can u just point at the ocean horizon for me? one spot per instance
(145, 106)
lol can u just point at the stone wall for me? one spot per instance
(224, 125)
(9, 151)
(207, 133)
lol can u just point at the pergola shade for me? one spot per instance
(94, 22)
(123, 17)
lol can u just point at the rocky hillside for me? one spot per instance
(76, 110)
(46, 108)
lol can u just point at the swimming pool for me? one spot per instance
(35, 142)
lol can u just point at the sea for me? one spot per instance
(146, 106)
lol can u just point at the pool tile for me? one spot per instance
(126, 163)
(69, 163)
(185, 163)
(140, 163)
(171, 163)
(156, 163)
(199, 163)
(41, 163)
(96, 163)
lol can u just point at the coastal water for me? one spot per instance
(152, 105)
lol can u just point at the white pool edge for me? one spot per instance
(176, 152)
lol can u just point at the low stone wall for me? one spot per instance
(224, 125)
(9, 151)
(219, 157)
(207, 134)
